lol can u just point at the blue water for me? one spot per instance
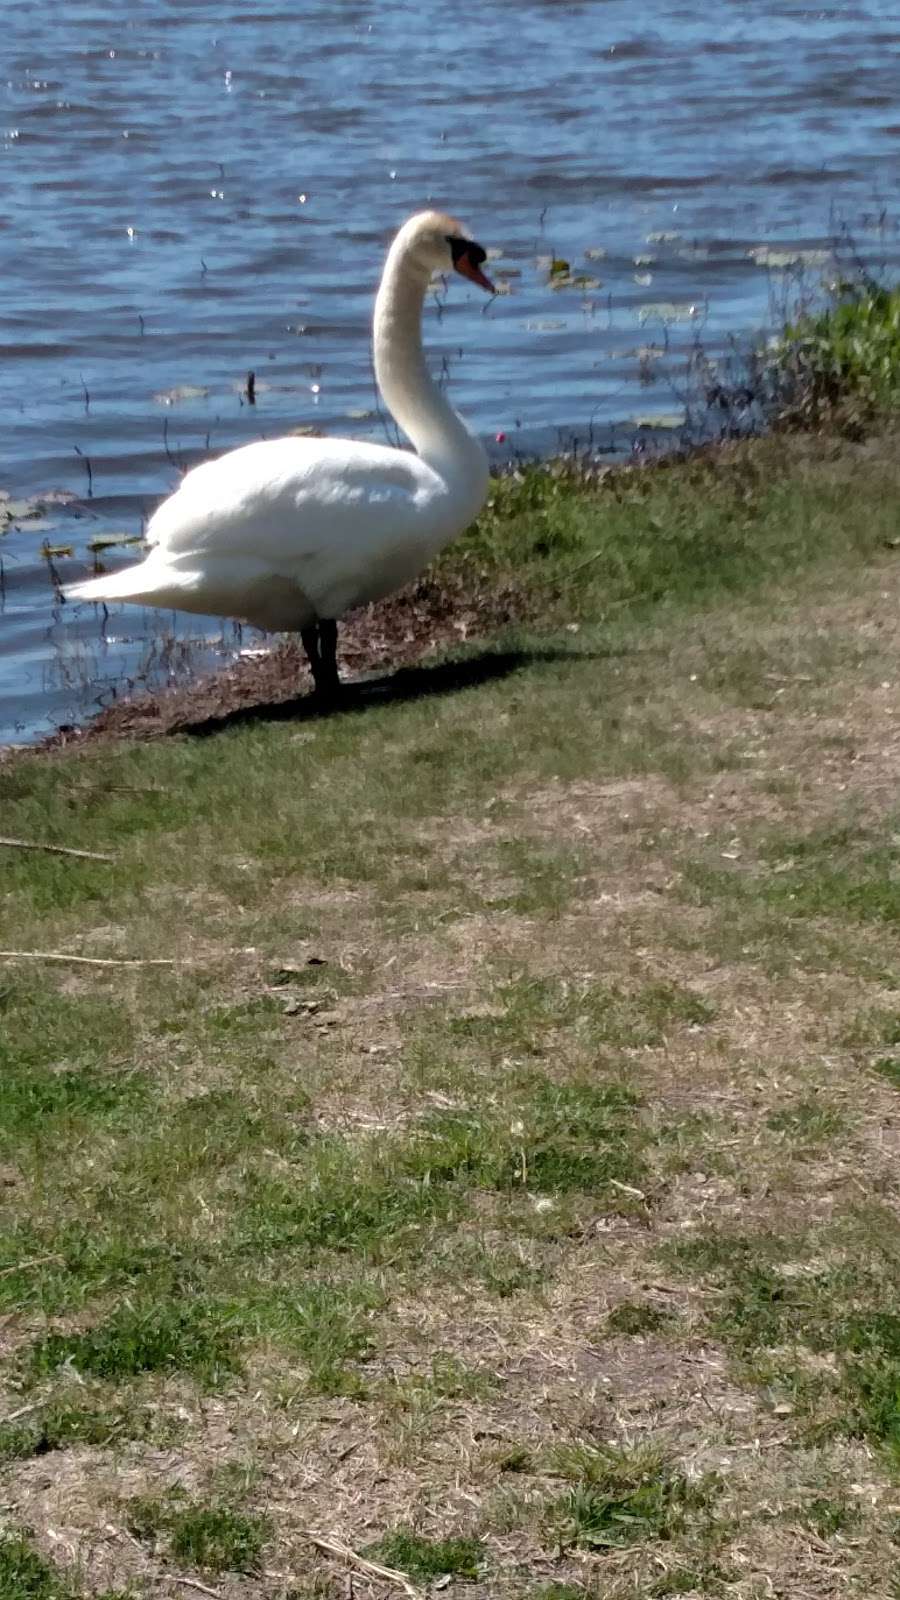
(192, 190)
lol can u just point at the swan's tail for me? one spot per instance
(112, 586)
(138, 583)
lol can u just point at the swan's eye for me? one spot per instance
(466, 252)
(457, 246)
(468, 258)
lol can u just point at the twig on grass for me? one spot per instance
(87, 961)
(33, 1261)
(627, 1188)
(194, 1583)
(337, 1547)
(55, 849)
(23, 1411)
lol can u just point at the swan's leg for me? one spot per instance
(320, 644)
(309, 638)
(330, 678)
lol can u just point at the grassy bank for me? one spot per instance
(500, 1180)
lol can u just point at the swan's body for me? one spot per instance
(291, 533)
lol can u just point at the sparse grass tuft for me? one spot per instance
(425, 1559)
(637, 1319)
(215, 1536)
(185, 1336)
(623, 1497)
(24, 1575)
(827, 1517)
(889, 1068)
(557, 1591)
(515, 1458)
(218, 1538)
(62, 1421)
(781, 1295)
(328, 1325)
(707, 1577)
(807, 1121)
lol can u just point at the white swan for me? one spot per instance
(291, 533)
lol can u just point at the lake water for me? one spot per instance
(193, 189)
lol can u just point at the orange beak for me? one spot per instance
(471, 270)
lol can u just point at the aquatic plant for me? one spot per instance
(842, 363)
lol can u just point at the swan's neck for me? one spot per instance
(422, 410)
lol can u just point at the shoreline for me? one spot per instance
(459, 600)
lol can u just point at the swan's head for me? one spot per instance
(434, 242)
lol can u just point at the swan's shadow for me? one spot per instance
(395, 688)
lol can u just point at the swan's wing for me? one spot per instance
(288, 528)
(288, 500)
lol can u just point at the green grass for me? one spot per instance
(212, 1536)
(623, 1497)
(181, 1336)
(327, 1324)
(605, 1014)
(631, 1319)
(25, 1575)
(477, 997)
(63, 1421)
(780, 1297)
(807, 1121)
(64, 1063)
(425, 1558)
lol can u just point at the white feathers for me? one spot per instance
(289, 531)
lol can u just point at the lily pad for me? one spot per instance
(181, 392)
(20, 510)
(31, 509)
(546, 325)
(667, 311)
(557, 266)
(51, 550)
(781, 260)
(112, 541)
(574, 280)
(662, 238)
(260, 386)
(596, 253)
(660, 419)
